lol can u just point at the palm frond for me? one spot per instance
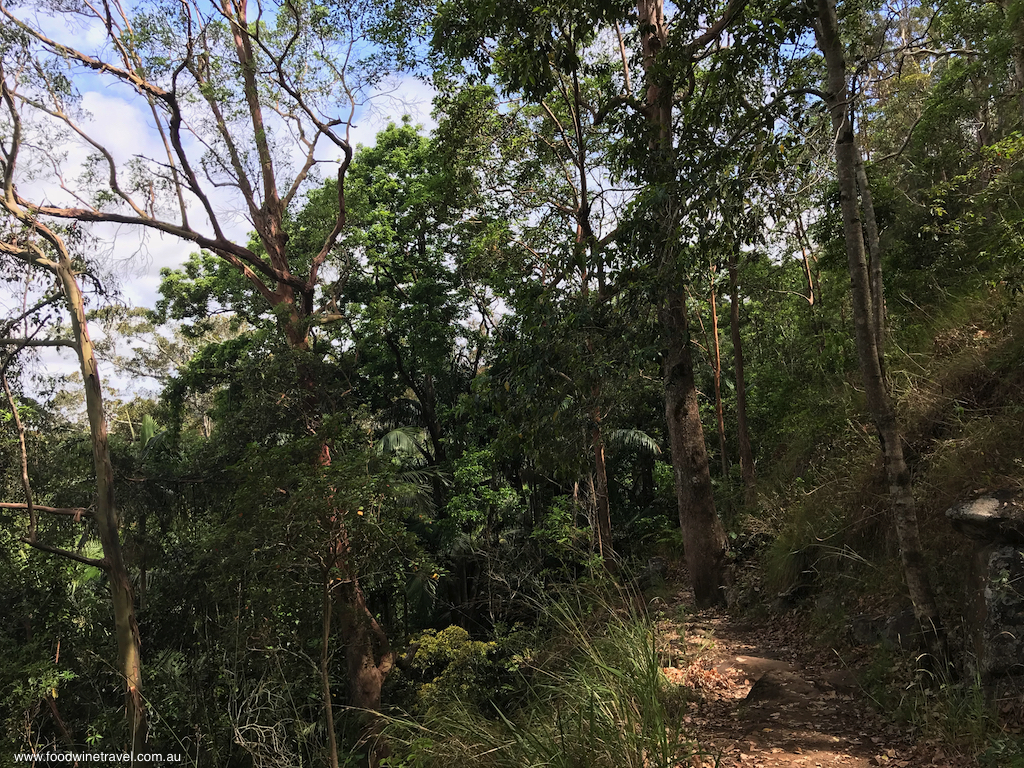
(405, 442)
(634, 441)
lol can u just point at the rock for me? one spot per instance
(781, 685)
(995, 518)
(995, 599)
(841, 680)
(995, 614)
(903, 631)
(753, 667)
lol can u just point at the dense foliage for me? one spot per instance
(372, 440)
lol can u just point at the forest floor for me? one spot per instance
(770, 696)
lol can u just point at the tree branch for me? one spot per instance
(25, 485)
(140, 83)
(38, 343)
(76, 512)
(101, 564)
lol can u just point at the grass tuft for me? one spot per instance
(598, 698)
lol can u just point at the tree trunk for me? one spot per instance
(325, 671)
(704, 537)
(129, 645)
(742, 433)
(805, 250)
(1016, 28)
(604, 515)
(369, 659)
(719, 410)
(875, 262)
(879, 402)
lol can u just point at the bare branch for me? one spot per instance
(732, 10)
(38, 343)
(76, 512)
(140, 83)
(332, 238)
(101, 564)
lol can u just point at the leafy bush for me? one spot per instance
(450, 666)
(597, 697)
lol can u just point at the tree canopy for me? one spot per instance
(732, 286)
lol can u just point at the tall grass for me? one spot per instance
(596, 698)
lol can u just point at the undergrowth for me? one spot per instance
(596, 697)
(950, 710)
(958, 385)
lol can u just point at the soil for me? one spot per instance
(770, 696)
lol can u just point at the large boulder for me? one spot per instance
(997, 518)
(995, 585)
(995, 611)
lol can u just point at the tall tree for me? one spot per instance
(561, 169)
(42, 247)
(243, 97)
(838, 101)
(742, 430)
(704, 537)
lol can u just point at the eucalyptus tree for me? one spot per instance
(706, 106)
(838, 100)
(243, 101)
(556, 178)
(658, 149)
(42, 247)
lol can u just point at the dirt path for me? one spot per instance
(771, 698)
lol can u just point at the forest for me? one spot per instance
(681, 339)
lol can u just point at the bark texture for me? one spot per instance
(704, 537)
(879, 402)
(369, 659)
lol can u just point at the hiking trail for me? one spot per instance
(769, 696)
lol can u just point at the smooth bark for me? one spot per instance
(129, 644)
(806, 252)
(874, 261)
(26, 486)
(747, 470)
(879, 402)
(604, 515)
